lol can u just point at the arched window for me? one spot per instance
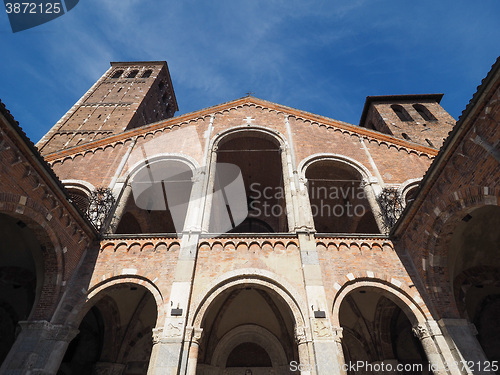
(117, 73)
(258, 158)
(401, 112)
(133, 73)
(147, 73)
(424, 112)
(338, 199)
(161, 190)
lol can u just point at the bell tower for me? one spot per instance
(415, 118)
(128, 95)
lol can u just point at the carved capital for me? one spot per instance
(300, 335)
(421, 332)
(337, 334)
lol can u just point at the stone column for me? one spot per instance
(337, 336)
(438, 364)
(39, 348)
(461, 336)
(303, 349)
(193, 350)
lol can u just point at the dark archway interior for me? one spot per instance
(21, 277)
(338, 199)
(259, 159)
(375, 329)
(255, 310)
(159, 201)
(474, 268)
(115, 336)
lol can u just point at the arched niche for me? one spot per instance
(160, 195)
(257, 153)
(22, 275)
(115, 332)
(473, 262)
(338, 196)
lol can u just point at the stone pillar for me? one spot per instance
(303, 349)
(460, 335)
(167, 343)
(39, 348)
(439, 362)
(193, 350)
(337, 336)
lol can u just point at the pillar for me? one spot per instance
(193, 350)
(39, 348)
(461, 336)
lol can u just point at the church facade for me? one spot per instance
(250, 237)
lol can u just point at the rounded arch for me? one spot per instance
(246, 277)
(249, 334)
(161, 157)
(34, 217)
(406, 303)
(97, 292)
(456, 208)
(81, 185)
(359, 167)
(406, 189)
(242, 131)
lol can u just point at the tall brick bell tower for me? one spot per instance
(128, 95)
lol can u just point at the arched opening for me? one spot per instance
(147, 73)
(21, 277)
(248, 327)
(376, 330)
(117, 73)
(133, 73)
(115, 334)
(474, 270)
(161, 191)
(424, 112)
(79, 198)
(258, 157)
(338, 198)
(401, 112)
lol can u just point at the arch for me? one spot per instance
(408, 304)
(35, 218)
(401, 112)
(407, 187)
(253, 334)
(340, 194)
(117, 73)
(268, 149)
(424, 112)
(244, 130)
(96, 292)
(457, 205)
(137, 166)
(250, 276)
(362, 170)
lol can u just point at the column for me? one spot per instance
(193, 350)
(437, 349)
(39, 348)
(461, 334)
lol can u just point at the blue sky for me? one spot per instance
(323, 57)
